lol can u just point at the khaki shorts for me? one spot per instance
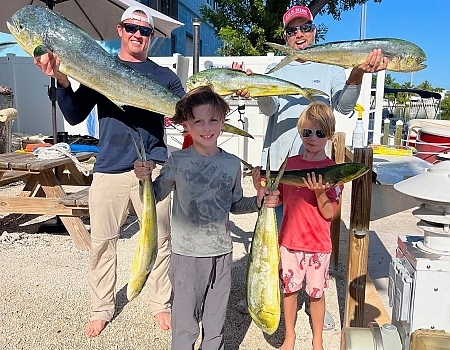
(296, 265)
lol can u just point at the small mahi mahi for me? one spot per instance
(403, 55)
(227, 81)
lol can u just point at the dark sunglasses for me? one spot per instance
(308, 132)
(304, 28)
(133, 28)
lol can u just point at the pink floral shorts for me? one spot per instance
(296, 265)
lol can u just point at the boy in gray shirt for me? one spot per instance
(206, 182)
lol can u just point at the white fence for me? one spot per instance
(30, 99)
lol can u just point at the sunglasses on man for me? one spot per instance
(308, 132)
(133, 28)
(304, 28)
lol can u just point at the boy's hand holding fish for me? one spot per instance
(315, 183)
(270, 199)
(143, 170)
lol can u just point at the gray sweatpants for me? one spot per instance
(201, 288)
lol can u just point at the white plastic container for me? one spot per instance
(358, 139)
(358, 135)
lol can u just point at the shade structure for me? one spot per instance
(96, 17)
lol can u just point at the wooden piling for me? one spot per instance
(337, 154)
(398, 133)
(358, 242)
(385, 138)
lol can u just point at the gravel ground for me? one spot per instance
(45, 299)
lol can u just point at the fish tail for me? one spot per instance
(285, 61)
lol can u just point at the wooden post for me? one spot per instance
(398, 133)
(358, 242)
(386, 124)
(338, 155)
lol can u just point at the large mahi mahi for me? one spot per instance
(263, 285)
(39, 30)
(147, 245)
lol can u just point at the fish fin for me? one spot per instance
(248, 165)
(234, 130)
(138, 152)
(313, 92)
(268, 178)
(41, 50)
(280, 174)
(284, 62)
(118, 104)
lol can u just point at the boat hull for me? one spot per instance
(432, 140)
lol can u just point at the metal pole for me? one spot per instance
(52, 90)
(196, 55)
(362, 28)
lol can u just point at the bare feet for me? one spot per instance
(94, 328)
(163, 319)
(289, 342)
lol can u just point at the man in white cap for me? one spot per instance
(114, 184)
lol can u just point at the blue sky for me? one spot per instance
(426, 26)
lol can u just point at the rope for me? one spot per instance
(10, 238)
(58, 151)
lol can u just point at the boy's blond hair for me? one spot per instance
(320, 113)
(202, 95)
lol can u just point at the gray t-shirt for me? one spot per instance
(206, 189)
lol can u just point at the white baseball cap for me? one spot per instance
(129, 13)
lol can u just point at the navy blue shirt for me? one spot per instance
(116, 149)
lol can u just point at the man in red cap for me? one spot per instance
(281, 135)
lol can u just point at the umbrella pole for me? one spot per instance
(52, 97)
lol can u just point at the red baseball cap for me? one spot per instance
(297, 12)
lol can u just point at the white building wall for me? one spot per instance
(29, 86)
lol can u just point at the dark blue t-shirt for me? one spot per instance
(116, 149)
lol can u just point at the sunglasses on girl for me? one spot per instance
(133, 28)
(304, 28)
(308, 132)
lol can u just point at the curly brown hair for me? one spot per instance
(202, 95)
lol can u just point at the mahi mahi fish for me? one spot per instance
(403, 56)
(145, 255)
(227, 81)
(262, 283)
(335, 175)
(39, 30)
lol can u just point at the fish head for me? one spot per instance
(412, 64)
(27, 26)
(197, 80)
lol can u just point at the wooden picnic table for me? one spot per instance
(43, 191)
